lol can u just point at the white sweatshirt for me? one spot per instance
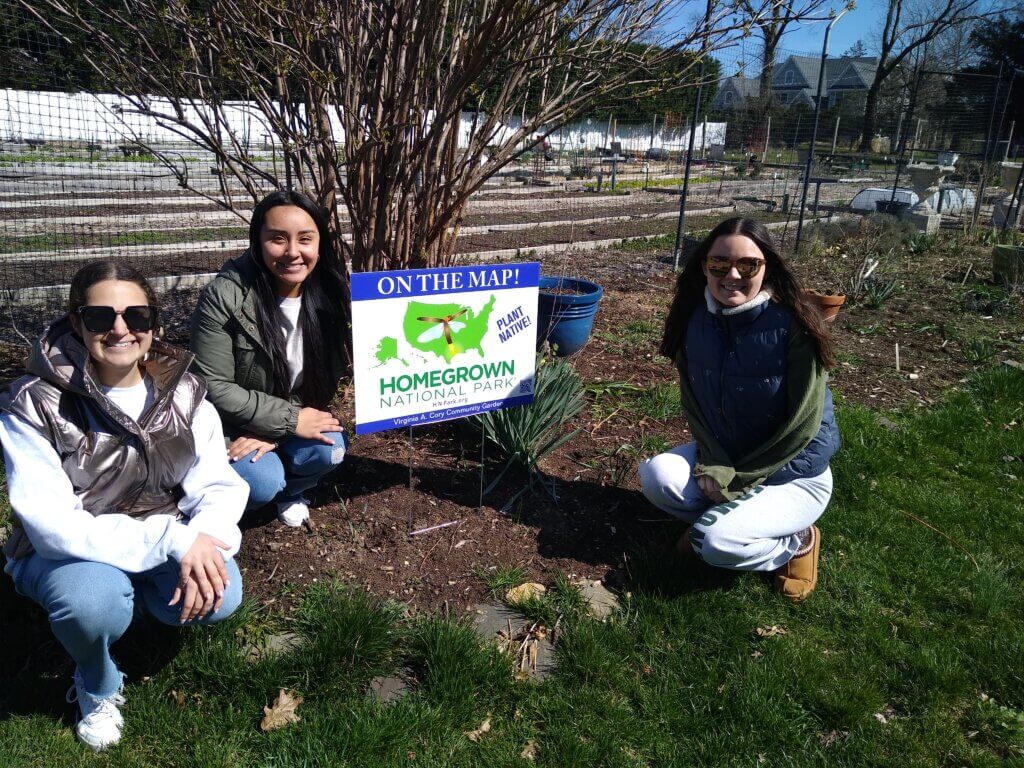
(59, 526)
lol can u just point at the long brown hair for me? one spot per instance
(784, 284)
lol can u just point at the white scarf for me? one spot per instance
(717, 309)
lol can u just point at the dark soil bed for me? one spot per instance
(21, 274)
(390, 485)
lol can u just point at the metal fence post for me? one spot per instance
(678, 252)
(814, 133)
(650, 153)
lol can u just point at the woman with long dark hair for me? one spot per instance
(752, 355)
(270, 335)
(122, 497)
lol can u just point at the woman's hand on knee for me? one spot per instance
(246, 444)
(203, 578)
(710, 488)
(313, 423)
(191, 599)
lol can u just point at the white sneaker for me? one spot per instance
(101, 722)
(293, 513)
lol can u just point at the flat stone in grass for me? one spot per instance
(887, 423)
(272, 645)
(600, 602)
(389, 688)
(533, 654)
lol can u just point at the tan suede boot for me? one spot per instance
(797, 579)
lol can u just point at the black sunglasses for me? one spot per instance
(101, 319)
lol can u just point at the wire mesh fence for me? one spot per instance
(82, 176)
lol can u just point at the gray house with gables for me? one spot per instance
(795, 82)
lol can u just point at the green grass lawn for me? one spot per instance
(910, 653)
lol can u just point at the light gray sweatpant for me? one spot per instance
(756, 532)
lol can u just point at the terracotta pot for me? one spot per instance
(828, 303)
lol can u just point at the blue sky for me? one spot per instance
(859, 24)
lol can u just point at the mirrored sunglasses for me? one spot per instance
(101, 319)
(747, 266)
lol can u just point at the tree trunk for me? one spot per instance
(765, 96)
(870, 124)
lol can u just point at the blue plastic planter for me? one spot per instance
(566, 319)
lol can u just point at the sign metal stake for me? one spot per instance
(483, 438)
(410, 475)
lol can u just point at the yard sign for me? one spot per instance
(437, 344)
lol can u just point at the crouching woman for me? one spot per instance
(270, 334)
(122, 496)
(752, 356)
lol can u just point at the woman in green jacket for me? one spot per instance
(270, 337)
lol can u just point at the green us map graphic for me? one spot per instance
(444, 330)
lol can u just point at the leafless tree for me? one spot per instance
(910, 26)
(365, 96)
(770, 24)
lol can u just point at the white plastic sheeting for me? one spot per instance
(865, 199)
(107, 118)
(954, 199)
(590, 134)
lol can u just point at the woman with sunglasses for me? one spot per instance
(122, 496)
(752, 355)
(270, 335)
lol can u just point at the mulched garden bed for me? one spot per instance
(596, 516)
(364, 516)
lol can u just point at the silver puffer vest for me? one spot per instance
(115, 464)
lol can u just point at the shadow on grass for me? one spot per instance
(37, 672)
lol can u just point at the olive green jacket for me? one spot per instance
(237, 364)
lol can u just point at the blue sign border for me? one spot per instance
(365, 286)
(418, 419)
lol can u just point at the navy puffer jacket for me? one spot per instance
(736, 365)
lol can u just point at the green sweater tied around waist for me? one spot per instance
(805, 394)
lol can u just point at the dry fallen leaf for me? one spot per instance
(885, 715)
(181, 699)
(281, 712)
(529, 751)
(524, 592)
(832, 737)
(771, 631)
(476, 735)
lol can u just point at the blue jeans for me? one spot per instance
(286, 474)
(90, 605)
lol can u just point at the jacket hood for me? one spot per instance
(59, 357)
(241, 270)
